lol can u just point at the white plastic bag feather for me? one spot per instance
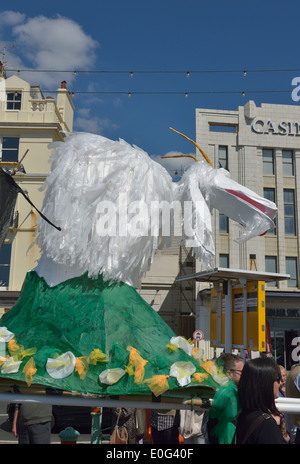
(197, 229)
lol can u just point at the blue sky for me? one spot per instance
(154, 35)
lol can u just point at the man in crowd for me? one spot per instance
(224, 410)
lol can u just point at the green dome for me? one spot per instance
(81, 315)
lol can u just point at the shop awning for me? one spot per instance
(222, 274)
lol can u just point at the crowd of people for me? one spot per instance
(246, 413)
(243, 411)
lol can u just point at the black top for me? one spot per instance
(267, 432)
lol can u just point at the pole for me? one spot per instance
(228, 318)
(167, 403)
(96, 434)
(244, 285)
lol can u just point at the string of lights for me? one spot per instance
(132, 73)
(186, 94)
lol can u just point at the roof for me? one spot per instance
(220, 274)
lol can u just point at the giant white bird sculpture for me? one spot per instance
(112, 202)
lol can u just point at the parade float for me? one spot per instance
(80, 324)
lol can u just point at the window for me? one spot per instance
(10, 149)
(291, 268)
(224, 260)
(222, 128)
(5, 253)
(287, 163)
(269, 194)
(223, 223)
(268, 162)
(13, 101)
(223, 157)
(271, 266)
(289, 211)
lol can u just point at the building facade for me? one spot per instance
(29, 122)
(260, 147)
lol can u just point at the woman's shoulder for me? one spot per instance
(266, 430)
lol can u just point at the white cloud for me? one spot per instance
(11, 18)
(57, 43)
(86, 122)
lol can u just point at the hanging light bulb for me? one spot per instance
(131, 74)
(245, 73)
(129, 94)
(187, 74)
(243, 94)
(75, 73)
(186, 95)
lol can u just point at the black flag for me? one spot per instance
(9, 190)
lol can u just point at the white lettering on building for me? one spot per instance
(295, 92)
(260, 126)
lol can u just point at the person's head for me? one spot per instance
(259, 385)
(233, 366)
(283, 378)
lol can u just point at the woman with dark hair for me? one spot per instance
(259, 420)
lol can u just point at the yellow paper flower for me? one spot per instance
(81, 366)
(18, 352)
(138, 363)
(215, 371)
(12, 346)
(158, 384)
(29, 371)
(2, 360)
(129, 369)
(208, 366)
(97, 356)
(199, 377)
(28, 352)
(171, 347)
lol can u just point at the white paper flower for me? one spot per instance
(10, 366)
(111, 376)
(182, 371)
(183, 344)
(5, 335)
(62, 366)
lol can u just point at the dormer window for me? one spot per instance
(13, 100)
